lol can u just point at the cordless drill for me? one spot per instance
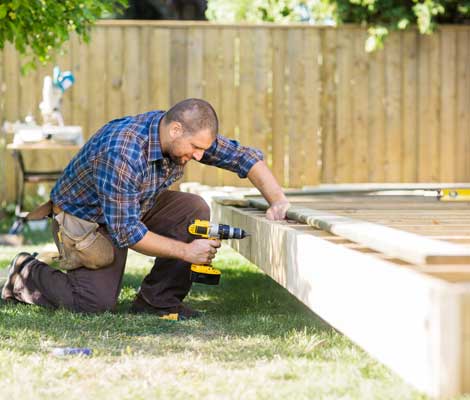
(205, 273)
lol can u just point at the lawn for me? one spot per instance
(255, 341)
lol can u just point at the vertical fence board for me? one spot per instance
(97, 80)
(65, 63)
(80, 68)
(247, 85)
(328, 106)
(160, 69)
(409, 102)
(131, 81)
(311, 94)
(344, 100)
(279, 127)
(115, 60)
(227, 113)
(424, 137)
(195, 41)
(179, 65)
(448, 105)
(296, 106)
(261, 126)
(434, 106)
(12, 71)
(392, 104)
(359, 88)
(463, 106)
(212, 52)
(144, 73)
(376, 120)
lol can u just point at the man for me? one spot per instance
(113, 196)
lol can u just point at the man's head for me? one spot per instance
(188, 129)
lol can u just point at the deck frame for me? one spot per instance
(414, 323)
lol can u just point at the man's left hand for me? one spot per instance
(277, 210)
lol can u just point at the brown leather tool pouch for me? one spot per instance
(82, 244)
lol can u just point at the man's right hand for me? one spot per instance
(201, 251)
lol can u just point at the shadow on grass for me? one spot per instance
(245, 304)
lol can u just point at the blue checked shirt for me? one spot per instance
(115, 177)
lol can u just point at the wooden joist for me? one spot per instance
(392, 242)
(416, 324)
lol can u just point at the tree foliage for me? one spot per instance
(37, 27)
(380, 16)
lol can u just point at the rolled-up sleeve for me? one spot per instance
(231, 155)
(117, 185)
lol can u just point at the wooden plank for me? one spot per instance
(426, 353)
(376, 120)
(448, 106)
(393, 126)
(328, 106)
(246, 89)
(195, 82)
(312, 95)
(97, 80)
(434, 122)
(465, 313)
(144, 73)
(12, 71)
(64, 60)
(179, 65)
(212, 51)
(80, 89)
(131, 81)
(344, 99)
(114, 70)
(228, 109)
(160, 69)
(295, 107)
(262, 65)
(279, 104)
(360, 106)
(409, 102)
(424, 109)
(463, 105)
(392, 242)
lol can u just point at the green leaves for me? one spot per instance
(38, 27)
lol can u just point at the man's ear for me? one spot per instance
(175, 129)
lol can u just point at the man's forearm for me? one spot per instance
(160, 246)
(263, 179)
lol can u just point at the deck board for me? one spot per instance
(412, 317)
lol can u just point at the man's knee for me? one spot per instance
(96, 304)
(199, 208)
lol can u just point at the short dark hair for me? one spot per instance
(195, 115)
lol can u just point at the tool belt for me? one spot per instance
(81, 243)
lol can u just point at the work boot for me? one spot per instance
(14, 270)
(180, 312)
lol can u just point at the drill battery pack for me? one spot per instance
(205, 274)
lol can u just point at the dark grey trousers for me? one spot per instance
(86, 290)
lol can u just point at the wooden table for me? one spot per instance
(32, 176)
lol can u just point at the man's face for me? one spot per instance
(186, 147)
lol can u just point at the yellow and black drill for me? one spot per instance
(205, 273)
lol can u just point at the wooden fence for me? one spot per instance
(320, 108)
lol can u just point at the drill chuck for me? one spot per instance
(230, 232)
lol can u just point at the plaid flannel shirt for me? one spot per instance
(115, 177)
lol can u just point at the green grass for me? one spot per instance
(255, 341)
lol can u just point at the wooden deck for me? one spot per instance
(390, 272)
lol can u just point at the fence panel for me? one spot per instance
(320, 108)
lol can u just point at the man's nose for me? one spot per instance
(197, 155)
